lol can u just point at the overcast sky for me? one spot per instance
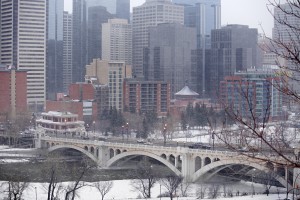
(247, 12)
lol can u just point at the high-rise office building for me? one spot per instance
(170, 55)
(151, 13)
(67, 51)
(282, 31)
(79, 40)
(96, 16)
(23, 44)
(205, 16)
(286, 32)
(117, 41)
(110, 5)
(234, 48)
(54, 75)
(123, 9)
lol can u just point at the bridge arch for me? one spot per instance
(259, 166)
(65, 146)
(154, 156)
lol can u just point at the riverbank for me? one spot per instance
(122, 190)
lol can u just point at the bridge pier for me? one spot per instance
(103, 156)
(188, 167)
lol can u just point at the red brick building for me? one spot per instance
(75, 107)
(147, 96)
(89, 101)
(13, 90)
(81, 91)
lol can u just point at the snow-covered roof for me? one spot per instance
(59, 114)
(186, 91)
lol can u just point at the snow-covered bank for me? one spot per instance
(123, 190)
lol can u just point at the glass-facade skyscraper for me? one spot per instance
(54, 78)
(123, 9)
(151, 13)
(109, 4)
(205, 16)
(79, 41)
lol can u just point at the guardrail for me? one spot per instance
(153, 147)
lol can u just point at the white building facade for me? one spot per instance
(117, 41)
(23, 44)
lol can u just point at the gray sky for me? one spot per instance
(247, 12)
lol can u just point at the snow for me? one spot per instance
(17, 149)
(122, 190)
(13, 160)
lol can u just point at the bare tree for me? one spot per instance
(15, 190)
(53, 170)
(171, 183)
(78, 175)
(201, 191)
(144, 178)
(184, 188)
(103, 187)
(254, 130)
(214, 190)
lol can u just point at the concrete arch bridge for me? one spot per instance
(192, 164)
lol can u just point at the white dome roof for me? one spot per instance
(186, 91)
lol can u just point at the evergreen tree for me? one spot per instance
(145, 129)
(183, 121)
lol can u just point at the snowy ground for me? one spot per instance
(123, 190)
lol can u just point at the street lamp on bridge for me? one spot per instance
(127, 130)
(213, 139)
(165, 133)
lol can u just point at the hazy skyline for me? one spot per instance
(246, 12)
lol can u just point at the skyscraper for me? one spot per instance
(23, 44)
(117, 41)
(151, 13)
(67, 51)
(110, 5)
(170, 55)
(234, 48)
(205, 16)
(79, 38)
(54, 78)
(123, 9)
(96, 16)
(286, 39)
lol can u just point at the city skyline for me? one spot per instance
(253, 13)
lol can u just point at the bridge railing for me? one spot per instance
(138, 146)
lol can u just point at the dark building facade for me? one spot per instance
(110, 5)
(169, 56)
(234, 48)
(54, 75)
(96, 16)
(79, 44)
(146, 96)
(205, 16)
(123, 9)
